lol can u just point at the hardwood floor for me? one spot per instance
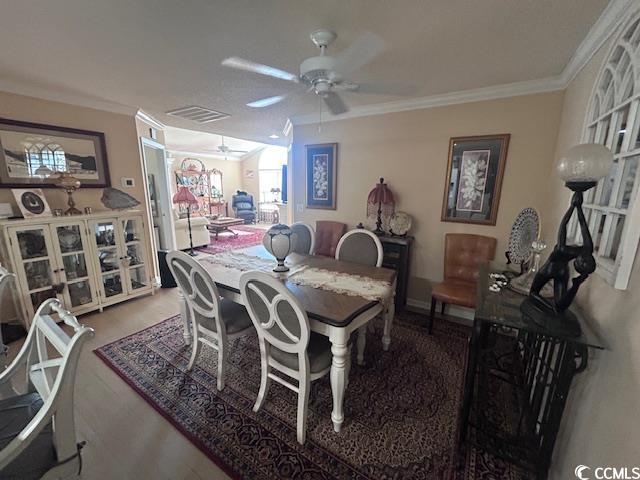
(126, 438)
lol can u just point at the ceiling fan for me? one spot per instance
(222, 148)
(324, 75)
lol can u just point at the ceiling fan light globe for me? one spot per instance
(322, 37)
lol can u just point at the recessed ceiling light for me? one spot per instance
(273, 135)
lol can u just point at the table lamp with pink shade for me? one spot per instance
(184, 197)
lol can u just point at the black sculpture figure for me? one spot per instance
(558, 270)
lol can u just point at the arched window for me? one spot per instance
(612, 208)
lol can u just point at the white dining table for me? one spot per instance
(335, 315)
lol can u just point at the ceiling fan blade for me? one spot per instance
(383, 89)
(266, 102)
(249, 66)
(334, 103)
(359, 53)
(237, 151)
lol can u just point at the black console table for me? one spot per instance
(519, 371)
(397, 256)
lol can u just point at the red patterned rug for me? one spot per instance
(248, 236)
(401, 408)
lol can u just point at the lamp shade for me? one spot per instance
(183, 195)
(587, 162)
(381, 194)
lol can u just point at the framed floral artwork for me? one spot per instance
(474, 179)
(321, 163)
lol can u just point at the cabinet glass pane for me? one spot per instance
(134, 252)
(38, 274)
(75, 266)
(112, 284)
(109, 260)
(39, 297)
(32, 244)
(105, 234)
(131, 228)
(138, 278)
(79, 293)
(69, 238)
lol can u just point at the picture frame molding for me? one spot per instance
(334, 179)
(495, 200)
(101, 140)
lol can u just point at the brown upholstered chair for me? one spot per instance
(328, 235)
(463, 255)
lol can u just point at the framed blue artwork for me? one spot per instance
(321, 161)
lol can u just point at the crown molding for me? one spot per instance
(149, 120)
(602, 29)
(608, 22)
(78, 100)
(610, 19)
(465, 96)
(187, 153)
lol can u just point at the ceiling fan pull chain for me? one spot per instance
(320, 123)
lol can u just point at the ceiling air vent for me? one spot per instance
(198, 114)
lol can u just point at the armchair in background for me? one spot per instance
(243, 207)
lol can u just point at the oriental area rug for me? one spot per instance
(401, 407)
(248, 236)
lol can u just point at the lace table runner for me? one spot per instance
(344, 283)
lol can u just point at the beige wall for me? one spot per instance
(251, 184)
(600, 426)
(409, 149)
(120, 133)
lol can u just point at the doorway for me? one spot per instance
(159, 188)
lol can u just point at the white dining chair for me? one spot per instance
(360, 246)
(287, 344)
(37, 428)
(215, 321)
(305, 238)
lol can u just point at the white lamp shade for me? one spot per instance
(587, 162)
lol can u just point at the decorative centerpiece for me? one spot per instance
(400, 224)
(580, 168)
(115, 199)
(380, 199)
(522, 283)
(69, 184)
(278, 243)
(524, 231)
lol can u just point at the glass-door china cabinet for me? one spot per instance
(87, 261)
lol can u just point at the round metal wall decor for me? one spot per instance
(524, 232)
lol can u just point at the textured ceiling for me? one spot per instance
(179, 140)
(162, 54)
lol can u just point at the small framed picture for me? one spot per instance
(474, 179)
(322, 163)
(31, 202)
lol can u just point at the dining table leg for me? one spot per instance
(361, 343)
(389, 314)
(186, 322)
(338, 375)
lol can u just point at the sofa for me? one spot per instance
(243, 207)
(199, 232)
